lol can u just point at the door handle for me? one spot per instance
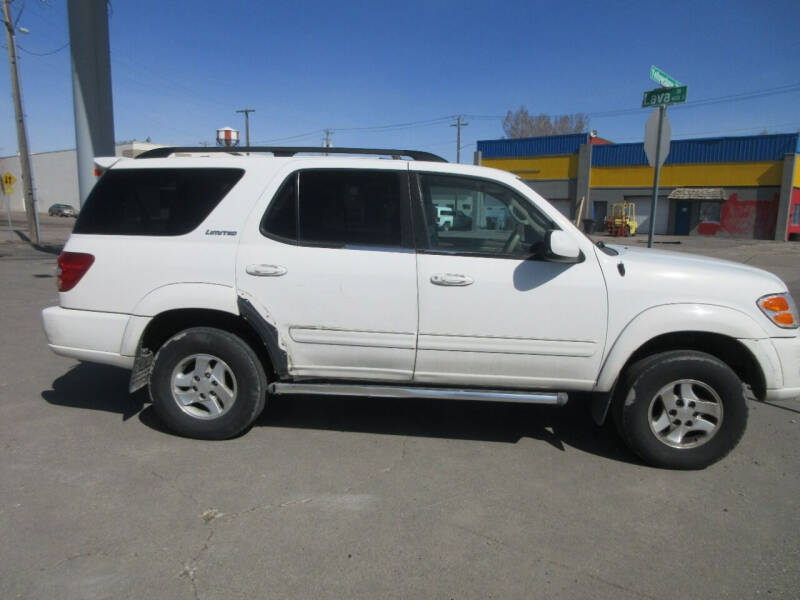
(451, 279)
(266, 270)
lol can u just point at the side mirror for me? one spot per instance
(559, 246)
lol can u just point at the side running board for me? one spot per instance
(391, 391)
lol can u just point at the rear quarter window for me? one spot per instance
(159, 202)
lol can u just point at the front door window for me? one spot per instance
(471, 216)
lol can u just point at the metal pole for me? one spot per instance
(458, 142)
(661, 112)
(246, 112)
(326, 141)
(22, 135)
(91, 87)
(458, 124)
(8, 213)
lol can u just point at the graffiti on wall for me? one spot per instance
(745, 218)
(794, 213)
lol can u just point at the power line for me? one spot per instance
(59, 49)
(599, 114)
(705, 101)
(121, 62)
(720, 132)
(331, 130)
(784, 89)
(409, 124)
(289, 138)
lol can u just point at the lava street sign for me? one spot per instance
(662, 78)
(651, 139)
(664, 96)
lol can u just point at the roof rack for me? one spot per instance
(291, 151)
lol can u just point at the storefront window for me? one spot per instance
(796, 215)
(710, 212)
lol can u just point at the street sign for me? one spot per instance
(8, 182)
(651, 139)
(664, 96)
(662, 78)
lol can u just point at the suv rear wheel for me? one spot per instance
(207, 384)
(680, 409)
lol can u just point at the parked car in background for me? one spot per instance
(62, 210)
(444, 217)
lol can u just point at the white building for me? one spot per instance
(55, 175)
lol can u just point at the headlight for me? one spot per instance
(780, 309)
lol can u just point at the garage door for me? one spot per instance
(643, 213)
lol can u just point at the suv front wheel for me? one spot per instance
(207, 383)
(680, 409)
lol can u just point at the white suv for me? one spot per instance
(444, 217)
(221, 279)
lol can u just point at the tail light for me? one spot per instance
(71, 267)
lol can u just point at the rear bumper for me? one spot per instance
(87, 335)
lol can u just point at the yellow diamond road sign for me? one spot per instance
(8, 181)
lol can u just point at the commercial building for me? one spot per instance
(746, 186)
(55, 176)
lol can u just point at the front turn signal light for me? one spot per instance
(780, 309)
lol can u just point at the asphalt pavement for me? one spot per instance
(361, 498)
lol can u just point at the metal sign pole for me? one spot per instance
(661, 112)
(8, 212)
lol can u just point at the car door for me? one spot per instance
(490, 313)
(330, 260)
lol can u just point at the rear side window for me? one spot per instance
(280, 219)
(347, 207)
(161, 202)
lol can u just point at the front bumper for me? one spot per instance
(788, 351)
(87, 335)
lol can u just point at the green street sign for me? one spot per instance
(661, 78)
(664, 96)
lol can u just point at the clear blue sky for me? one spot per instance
(181, 69)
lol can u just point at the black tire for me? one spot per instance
(636, 397)
(249, 382)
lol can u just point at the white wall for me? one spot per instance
(55, 179)
(55, 176)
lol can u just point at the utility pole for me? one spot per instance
(246, 112)
(22, 135)
(459, 124)
(326, 141)
(91, 88)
